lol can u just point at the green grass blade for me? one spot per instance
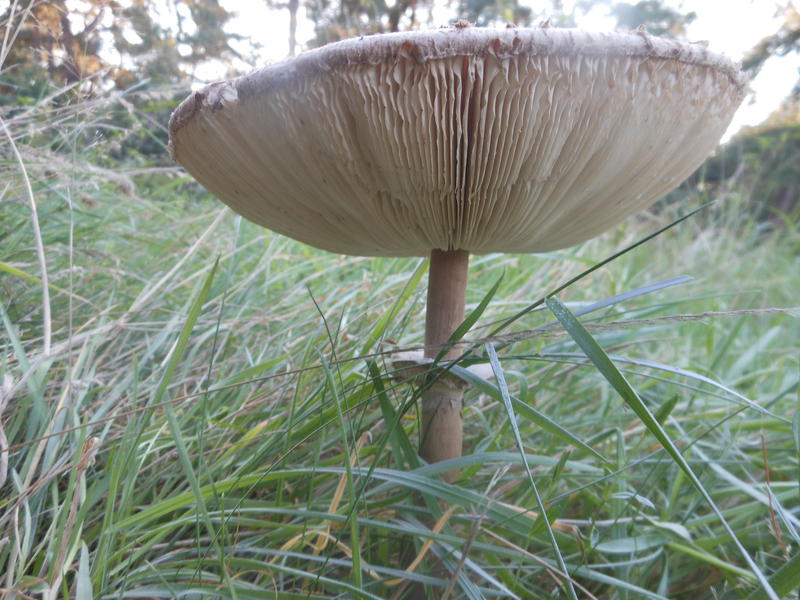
(83, 582)
(348, 449)
(417, 481)
(741, 398)
(617, 380)
(174, 426)
(12, 270)
(183, 337)
(528, 411)
(252, 372)
(474, 315)
(618, 298)
(784, 580)
(501, 383)
(383, 323)
(666, 409)
(711, 560)
(796, 436)
(402, 449)
(533, 306)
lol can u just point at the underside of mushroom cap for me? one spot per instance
(514, 140)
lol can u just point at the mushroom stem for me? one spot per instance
(442, 424)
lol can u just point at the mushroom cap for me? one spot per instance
(514, 140)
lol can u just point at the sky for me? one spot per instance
(731, 27)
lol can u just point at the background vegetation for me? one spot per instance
(191, 406)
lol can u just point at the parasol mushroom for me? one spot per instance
(456, 141)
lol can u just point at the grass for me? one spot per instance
(219, 415)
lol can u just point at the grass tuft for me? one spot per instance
(212, 410)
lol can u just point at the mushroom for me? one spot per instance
(457, 141)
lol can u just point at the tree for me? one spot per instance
(339, 19)
(653, 15)
(101, 42)
(493, 12)
(785, 40)
(335, 20)
(45, 47)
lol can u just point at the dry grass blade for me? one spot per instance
(85, 460)
(37, 236)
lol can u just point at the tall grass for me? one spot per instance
(217, 413)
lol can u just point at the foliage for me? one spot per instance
(767, 159)
(654, 15)
(101, 42)
(489, 12)
(784, 41)
(338, 20)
